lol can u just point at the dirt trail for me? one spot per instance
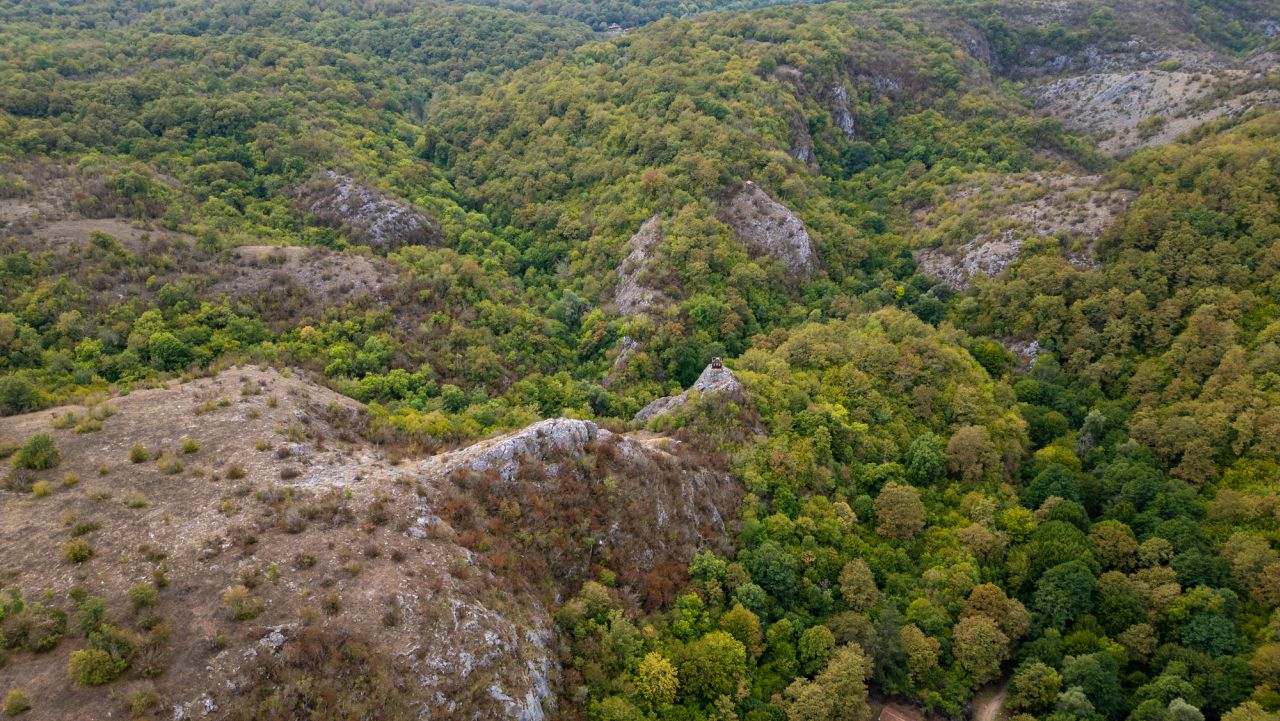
(989, 702)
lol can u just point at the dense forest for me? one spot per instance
(1058, 479)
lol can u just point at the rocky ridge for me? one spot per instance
(369, 216)
(769, 228)
(282, 473)
(633, 296)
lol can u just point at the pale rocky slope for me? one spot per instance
(285, 496)
(981, 229)
(769, 228)
(369, 216)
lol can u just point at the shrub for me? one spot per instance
(65, 421)
(42, 489)
(241, 604)
(89, 425)
(20, 480)
(16, 703)
(138, 453)
(84, 527)
(93, 667)
(143, 702)
(189, 445)
(90, 613)
(69, 480)
(135, 499)
(39, 453)
(143, 595)
(332, 604)
(77, 551)
(169, 464)
(295, 521)
(235, 472)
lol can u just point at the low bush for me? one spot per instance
(241, 604)
(93, 667)
(39, 453)
(143, 595)
(16, 703)
(77, 551)
(169, 464)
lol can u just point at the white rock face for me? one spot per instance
(632, 296)
(368, 215)
(840, 114)
(980, 256)
(714, 381)
(768, 227)
(504, 453)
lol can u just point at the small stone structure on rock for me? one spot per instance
(715, 380)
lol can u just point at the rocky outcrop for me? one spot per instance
(504, 454)
(802, 143)
(368, 216)
(638, 505)
(1143, 108)
(633, 296)
(840, 113)
(980, 256)
(713, 381)
(769, 228)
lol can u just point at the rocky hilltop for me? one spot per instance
(714, 380)
(273, 530)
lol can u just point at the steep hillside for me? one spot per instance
(220, 538)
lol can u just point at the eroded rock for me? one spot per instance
(369, 216)
(633, 295)
(769, 228)
(840, 113)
